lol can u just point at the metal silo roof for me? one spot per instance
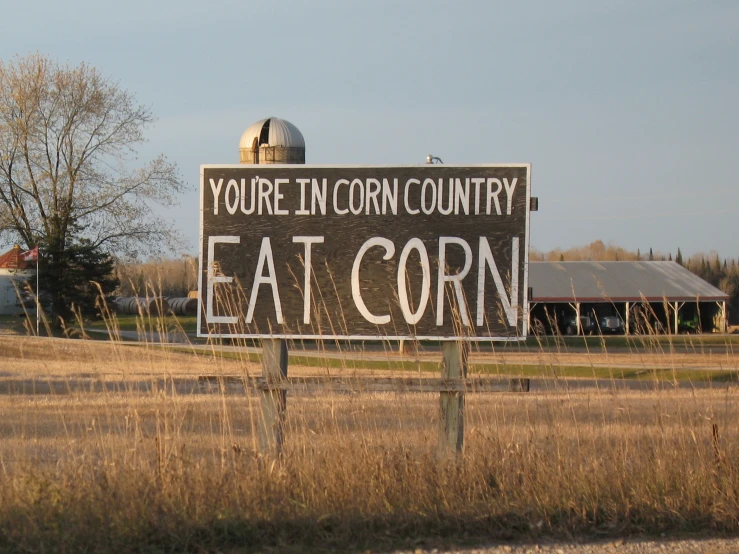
(617, 281)
(279, 132)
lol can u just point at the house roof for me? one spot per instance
(618, 282)
(12, 259)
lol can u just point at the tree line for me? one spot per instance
(173, 277)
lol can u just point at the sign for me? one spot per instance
(343, 252)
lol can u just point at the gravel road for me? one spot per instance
(628, 546)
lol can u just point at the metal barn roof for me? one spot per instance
(278, 132)
(618, 282)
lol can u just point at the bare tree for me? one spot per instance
(68, 137)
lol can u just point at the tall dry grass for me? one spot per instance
(113, 447)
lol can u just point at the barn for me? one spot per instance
(14, 272)
(622, 297)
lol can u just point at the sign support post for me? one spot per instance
(273, 400)
(451, 403)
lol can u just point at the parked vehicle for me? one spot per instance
(587, 325)
(688, 326)
(609, 321)
(599, 320)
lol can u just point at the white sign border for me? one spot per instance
(201, 236)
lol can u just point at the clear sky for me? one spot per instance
(628, 111)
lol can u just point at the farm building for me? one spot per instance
(272, 141)
(622, 297)
(14, 272)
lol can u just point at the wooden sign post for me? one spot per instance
(273, 396)
(451, 403)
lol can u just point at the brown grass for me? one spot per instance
(136, 469)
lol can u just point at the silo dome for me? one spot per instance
(272, 141)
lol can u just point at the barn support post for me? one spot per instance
(451, 404)
(273, 401)
(678, 306)
(726, 318)
(628, 330)
(676, 310)
(577, 318)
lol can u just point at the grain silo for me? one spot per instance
(272, 141)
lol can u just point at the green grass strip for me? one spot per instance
(491, 369)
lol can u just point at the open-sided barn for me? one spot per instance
(622, 297)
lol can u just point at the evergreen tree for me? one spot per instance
(74, 275)
(679, 257)
(669, 257)
(638, 255)
(651, 255)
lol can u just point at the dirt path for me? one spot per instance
(620, 546)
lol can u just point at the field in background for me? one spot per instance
(116, 447)
(682, 358)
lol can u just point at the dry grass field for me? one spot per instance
(100, 451)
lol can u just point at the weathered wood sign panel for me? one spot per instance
(426, 252)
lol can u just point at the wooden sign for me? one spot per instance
(344, 252)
